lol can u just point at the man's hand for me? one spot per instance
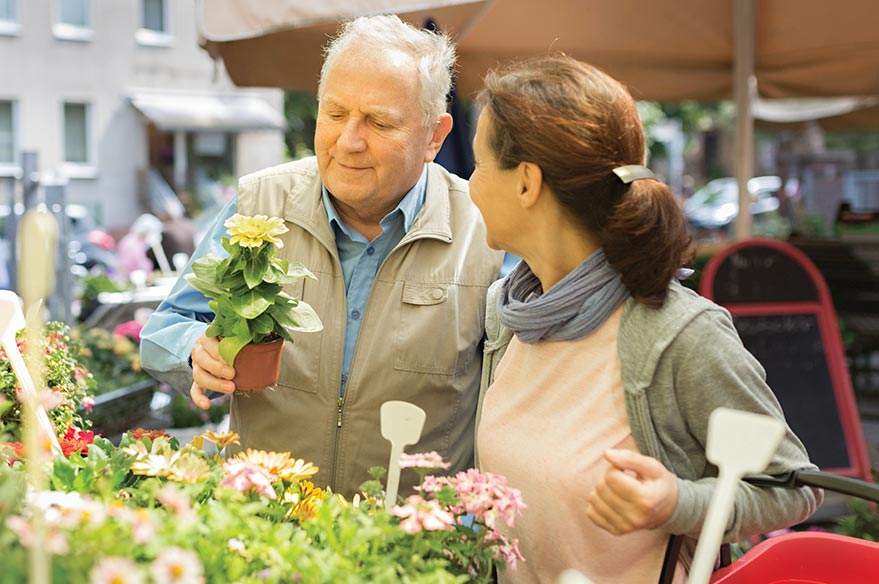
(637, 492)
(209, 371)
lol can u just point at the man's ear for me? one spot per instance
(440, 131)
(530, 184)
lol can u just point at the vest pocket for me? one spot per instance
(428, 336)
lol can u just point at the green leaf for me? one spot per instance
(206, 268)
(262, 325)
(255, 270)
(298, 271)
(307, 320)
(203, 286)
(230, 347)
(250, 304)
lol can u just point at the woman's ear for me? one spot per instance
(530, 183)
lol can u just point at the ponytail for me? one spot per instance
(646, 240)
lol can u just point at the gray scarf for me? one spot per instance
(577, 305)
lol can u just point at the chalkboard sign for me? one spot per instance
(789, 347)
(761, 275)
(785, 318)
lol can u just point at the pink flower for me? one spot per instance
(487, 497)
(246, 477)
(418, 514)
(177, 566)
(88, 403)
(430, 460)
(177, 502)
(54, 540)
(130, 329)
(115, 570)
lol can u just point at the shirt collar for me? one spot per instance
(409, 206)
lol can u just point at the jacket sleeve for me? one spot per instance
(172, 330)
(713, 369)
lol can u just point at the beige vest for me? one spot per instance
(420, 338)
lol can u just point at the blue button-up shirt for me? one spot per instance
(361, 258)
(169, 335)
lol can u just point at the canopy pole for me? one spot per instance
(745, 90)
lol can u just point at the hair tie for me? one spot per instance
(633, 172)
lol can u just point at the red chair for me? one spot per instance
(805, 558)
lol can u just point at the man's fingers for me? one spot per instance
(207, 381)
(198, 397)
(644, 466)
(215, 366)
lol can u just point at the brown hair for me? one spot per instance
(577, 124)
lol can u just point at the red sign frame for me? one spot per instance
(828, 325)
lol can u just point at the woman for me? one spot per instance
(598, 410)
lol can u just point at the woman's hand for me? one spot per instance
(637, 492)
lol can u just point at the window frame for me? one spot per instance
(12, 168)
(11, 27)
(73, 32)
(79, 170)
(147, 37)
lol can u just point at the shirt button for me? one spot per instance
(437, 293)
(355, 314)
(370, 250)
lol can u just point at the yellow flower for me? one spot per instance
(221, 439)
(155, 462)
(188, 468)
(254, 231)
(303, 504)
(272, 462)
(297, 470)
(278, 464)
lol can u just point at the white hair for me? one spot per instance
(433, 53)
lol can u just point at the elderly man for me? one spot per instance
(401, 263)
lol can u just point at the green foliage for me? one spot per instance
(863, 523)
(113, 360)
(63, 375)
(115, 503)
(94, 284)
(248, 300)
(184, 414)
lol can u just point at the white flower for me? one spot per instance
(115, 570)
(236, 545)
(177, 566)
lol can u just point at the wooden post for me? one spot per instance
(745, 89)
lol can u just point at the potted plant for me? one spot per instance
(253, 316)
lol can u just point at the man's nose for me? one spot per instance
(351, 138)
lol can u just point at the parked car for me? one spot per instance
(716, 205)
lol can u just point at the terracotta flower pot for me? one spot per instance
(258, 366)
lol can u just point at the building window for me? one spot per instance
(78, 160)
(8, 17)
(8, 144)
(73, 20)
(155, 29)
(154, 15)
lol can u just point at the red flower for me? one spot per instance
(140, 433)
(17, 450)
(76, 441)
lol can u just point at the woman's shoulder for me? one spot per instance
(647, 333)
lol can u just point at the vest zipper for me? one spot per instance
(340, 404)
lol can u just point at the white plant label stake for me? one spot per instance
(739, 443)
(11, 321)
(402, 423)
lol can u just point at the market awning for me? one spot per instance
(199, 111)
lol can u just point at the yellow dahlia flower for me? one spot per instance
(254, 231)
